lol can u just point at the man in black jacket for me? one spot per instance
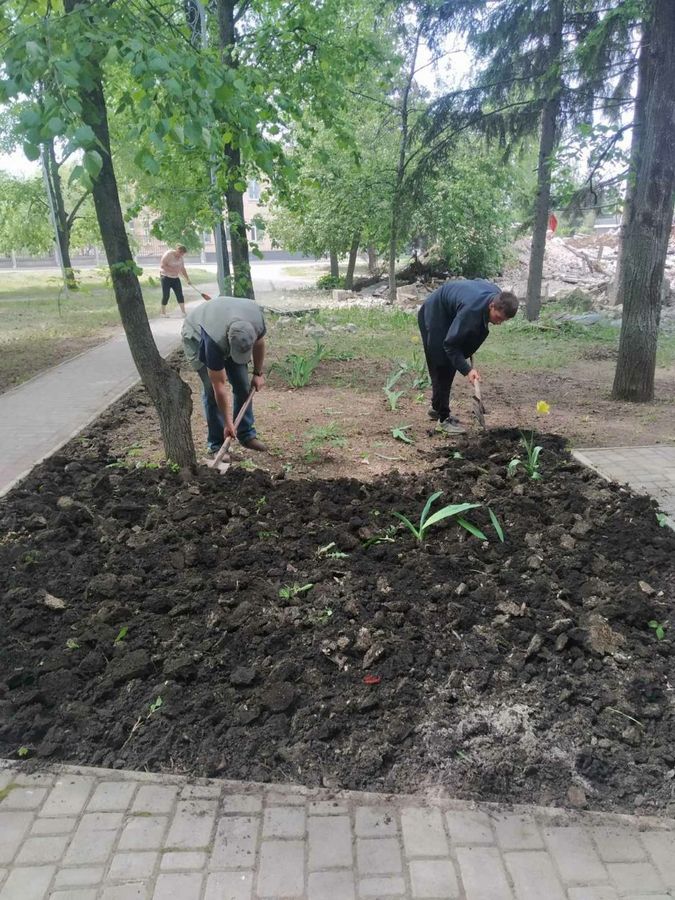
(454, 321)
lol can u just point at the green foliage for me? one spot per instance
(658, 628)
(121, 634)
(71, 644)
(289, 591)
(427, 521)
(297, 368)
(23, 752)
(662, 519)
(531, 461)
(329, 282)
(391, 395)
(467, 212)
(155, 705)
(496, 524)
(323, 436)
(399, 434)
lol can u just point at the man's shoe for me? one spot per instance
(431, 412)
(255, 443)
(453, 426)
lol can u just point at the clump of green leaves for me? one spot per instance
(297, 368)
(531, 461)
(22, 752)
(391, 395)
(321, 437)
(121, 634)
(532, 452)
(452, 510)
(156, 705)
(662, 519)
(71, 644)
(399, 434)
(288, 591)
(330, 282)
(658, 628)
(388, 536)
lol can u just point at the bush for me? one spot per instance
(330, 282)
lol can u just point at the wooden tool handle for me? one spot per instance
(476, 384)
(240, 415)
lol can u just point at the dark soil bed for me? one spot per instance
(524, 671)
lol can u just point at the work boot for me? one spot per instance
(453, 426)
(255, 443)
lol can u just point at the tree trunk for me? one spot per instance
(63, 227)
(400, 167)
(169, 393)
(351, 263)
(243, 281)
(241, 265)
(645, 74)
(334, 264)
(372, 260)
(549, 121)
(650, 216)
(393, 241)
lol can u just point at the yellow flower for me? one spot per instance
(543, 407)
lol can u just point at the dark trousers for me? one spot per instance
(441, 377)
(169, 284)
(237, 375)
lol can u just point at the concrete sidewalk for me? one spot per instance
(44, 413)
(97, 834)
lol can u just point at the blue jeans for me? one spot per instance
(237, 375)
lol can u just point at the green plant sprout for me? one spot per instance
(532, 452)
(453, 510)
(267, 534)
(393, 396)
(321, 437)
(321, 617)
(399, 434)
(71, 644)
(121, 634)
(388, 536)
(331, 552)
(297, 368)
(156, 705)
(662, 519)
(659, 629)
(22, 751)
(496, 524)
(260, 502)
(288, 591)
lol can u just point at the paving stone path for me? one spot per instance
(648, 470)
(98, 834)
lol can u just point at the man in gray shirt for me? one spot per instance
(220, 337)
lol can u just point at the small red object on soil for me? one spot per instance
(372, 679)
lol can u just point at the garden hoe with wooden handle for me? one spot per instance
(478, 407)
(218, 462)
(203, 296)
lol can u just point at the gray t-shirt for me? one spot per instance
(215, 317)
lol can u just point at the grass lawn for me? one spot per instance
(387, 334)
(40, 324)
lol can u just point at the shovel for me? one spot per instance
(478, 407)
(219, 462)
(203, 296)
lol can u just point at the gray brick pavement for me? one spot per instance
(75, 834)
(648, 470)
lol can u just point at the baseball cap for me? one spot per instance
(241, 337)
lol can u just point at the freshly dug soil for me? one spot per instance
(518, 671)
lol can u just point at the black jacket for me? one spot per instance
(454, 321)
